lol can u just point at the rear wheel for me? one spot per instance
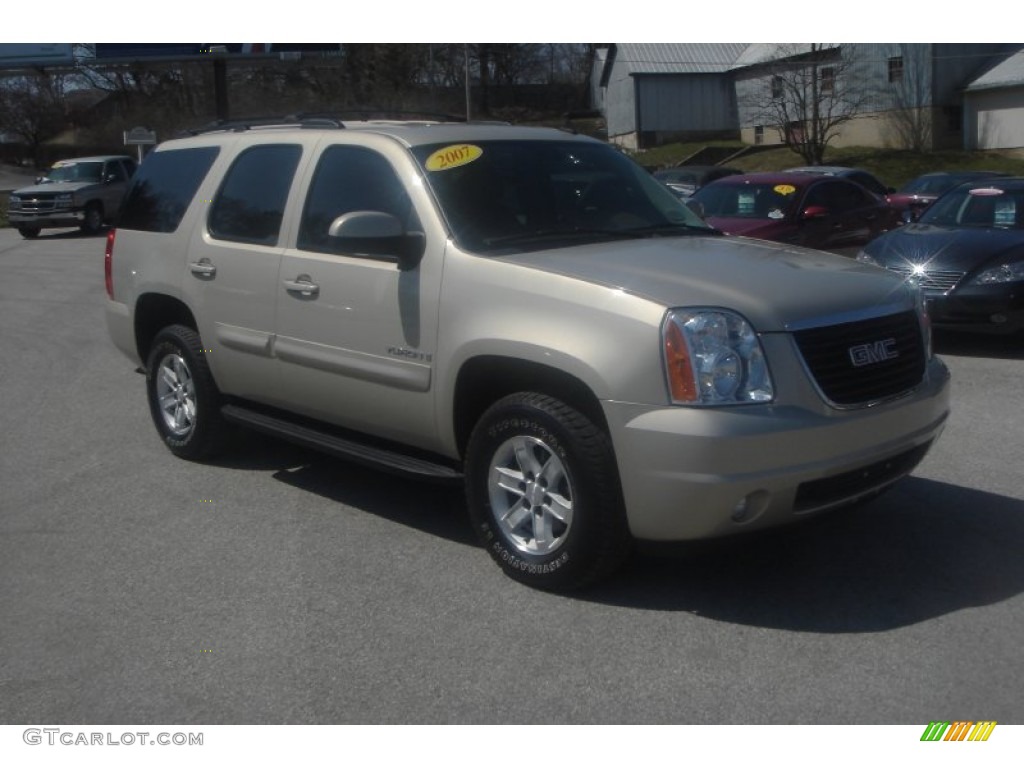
(543, 493)
(183, 398)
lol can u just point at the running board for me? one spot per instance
(342, 447)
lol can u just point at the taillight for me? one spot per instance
(108, 255)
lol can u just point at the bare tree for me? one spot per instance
(32, 109)
(810, 92)
(910, 86)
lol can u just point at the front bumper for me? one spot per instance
(997, 308)
(71, 217)
(693, 473)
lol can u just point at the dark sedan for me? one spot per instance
(916, 195)
(859, 175)
(814, 210)
(967, 253)
(684, 180)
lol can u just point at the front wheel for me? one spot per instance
(543, 493)
(183, 397)
(29, 232)
(93, 221)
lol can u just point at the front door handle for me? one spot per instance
(302, 284)
(202, 268)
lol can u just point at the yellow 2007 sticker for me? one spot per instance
(785, 189)
(453, 157)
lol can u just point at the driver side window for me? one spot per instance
(350, 178)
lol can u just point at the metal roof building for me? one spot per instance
(994, 107)
(656, 92)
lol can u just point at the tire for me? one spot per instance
(29, 232)
(183, 399)
(93, 221)
(543, 493)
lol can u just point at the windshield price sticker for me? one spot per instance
(985, 192)
(784, 189)
(453, 157)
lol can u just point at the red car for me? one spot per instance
(805, 209)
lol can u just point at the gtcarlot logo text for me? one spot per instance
(55, 736)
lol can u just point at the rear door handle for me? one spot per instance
(302, 284)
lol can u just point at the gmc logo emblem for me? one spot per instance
(875, 352)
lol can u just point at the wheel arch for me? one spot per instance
(154, 311)
(485, 379)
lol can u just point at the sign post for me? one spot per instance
(140, 137)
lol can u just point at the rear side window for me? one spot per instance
(163, 187)
(250, 203)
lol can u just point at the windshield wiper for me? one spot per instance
(673, 229)
(541, 235)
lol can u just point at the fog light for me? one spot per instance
(750, 507)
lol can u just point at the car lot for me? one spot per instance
(283, 586)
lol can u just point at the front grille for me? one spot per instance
(817, 494)
(938, 281)
(37, 203)
(867, 360)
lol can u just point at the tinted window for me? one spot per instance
(748, 201)
(868, 182)
(499, 195)
(838, 196)
(349, 178)
(115, 171)
(250, 203)
(163, 188)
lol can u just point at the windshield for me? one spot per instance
(932, 185)
(768, 200)
(506, 196)
(66, 171)
(978, 207)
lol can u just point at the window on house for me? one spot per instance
(896, 69)
(828, 79)
(776, 87)
(954, 118)
(759, 134)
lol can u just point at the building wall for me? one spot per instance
(994, 119)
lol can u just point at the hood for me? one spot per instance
(767, 229)
(776, 287)
(945, 248)
(54, 188)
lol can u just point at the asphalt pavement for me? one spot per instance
(281, 586)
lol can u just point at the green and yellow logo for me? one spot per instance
(960, 730)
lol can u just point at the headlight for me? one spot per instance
(63, 200)
(713, 357)
(14, 202)
(863, 258)
(1004, 273)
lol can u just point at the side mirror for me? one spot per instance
(910, 215)
(696, 206)
(814, 212)
(378, 235)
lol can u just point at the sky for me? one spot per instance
(519, 21)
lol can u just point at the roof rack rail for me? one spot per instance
(373, 113)
(248, 123)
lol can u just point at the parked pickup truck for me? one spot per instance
(525, 311)
(81, 192)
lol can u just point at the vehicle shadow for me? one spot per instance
(962, 344)
(923, 550)
(69, 234)
(435, 509)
